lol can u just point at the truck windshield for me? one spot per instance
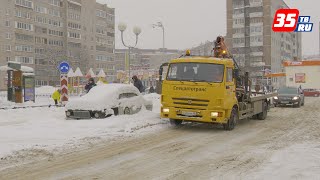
(288, 91)
(196, 72)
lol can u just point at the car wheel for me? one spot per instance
(175, 122)
(99, 115)
(126, 111)
(232, 120)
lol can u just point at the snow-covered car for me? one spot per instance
(107, 100)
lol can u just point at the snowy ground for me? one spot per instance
(45, 130)
(285, 146)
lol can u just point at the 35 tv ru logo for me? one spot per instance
(288, 20)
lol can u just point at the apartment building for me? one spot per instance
(253, 43)
(144, 58)
(42, 33)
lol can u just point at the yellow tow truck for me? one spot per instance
(209, 90)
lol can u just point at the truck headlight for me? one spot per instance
(276, 98)
(295, 98)
(214, 114)
(68, 113)
(165, 110)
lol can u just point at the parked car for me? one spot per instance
(289, 96)
(311, 92)
(107, 100)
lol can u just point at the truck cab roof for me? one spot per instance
(203, 59)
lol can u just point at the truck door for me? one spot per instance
(230, 87)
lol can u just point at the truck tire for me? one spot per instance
(232, 120)
(175, 122)
(264, 113)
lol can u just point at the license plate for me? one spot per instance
(285, 102)
(82, 114)
(186, 113)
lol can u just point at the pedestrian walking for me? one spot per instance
(151, 90)
(137, 83)
(90, 85)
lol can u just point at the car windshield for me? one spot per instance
(196, 72)
(287, 91)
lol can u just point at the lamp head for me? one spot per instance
(137, 30)
(122, 27)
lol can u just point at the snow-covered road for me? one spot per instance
(285, 146)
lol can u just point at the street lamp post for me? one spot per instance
(137, 31)
(160, 25)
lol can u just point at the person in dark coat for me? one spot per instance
(137, 83)
(90, 85)
(152, 90)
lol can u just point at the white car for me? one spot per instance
(107, 100)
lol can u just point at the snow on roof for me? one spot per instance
(90, 74)
(102, 96)
(71, 73)
(27, 69)
(78, 73)
(23, 69)
(101, 73)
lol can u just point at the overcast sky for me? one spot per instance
(190, 22)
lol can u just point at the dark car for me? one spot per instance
(289, 96)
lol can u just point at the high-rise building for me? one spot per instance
(252, 41)
(42, 33)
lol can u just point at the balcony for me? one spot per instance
(256, 14)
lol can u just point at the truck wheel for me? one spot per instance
(232, 120)
(175, 122)
(263, 114)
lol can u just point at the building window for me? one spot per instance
(40, 40)
(100, 13)
(7, 24)
(23, 37)
(104, 58)
(24, 3)
(255, 29)
(8, 47)
(39, 51)
(8, 59)
(55, 33)
(22, 14)
(55, 43)
(101, 30)
(254, 39)
(25, 26)
(54, 12)
(40, 9)
(74, 16)
(74, 26)
(238, 21)
(55, 23)
(25, 48)
(42, 20)
(41, 83)
(74, 35)
(54, 2)
(25, 60)
(8, 35)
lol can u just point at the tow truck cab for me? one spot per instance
(199, 89)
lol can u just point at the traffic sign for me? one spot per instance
(64, 67)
